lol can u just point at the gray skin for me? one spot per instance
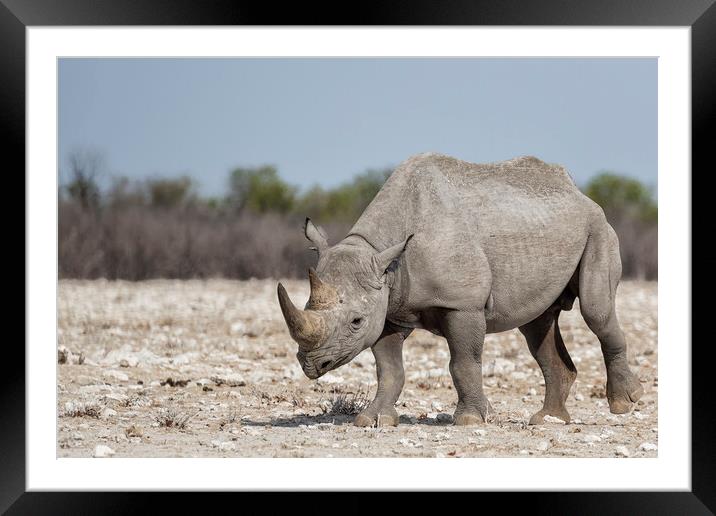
(462, 250)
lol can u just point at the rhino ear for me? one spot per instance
(388, 259)
(316, 235)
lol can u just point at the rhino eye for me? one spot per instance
(357, 322)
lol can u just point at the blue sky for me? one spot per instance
(321, 121)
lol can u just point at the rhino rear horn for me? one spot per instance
(323, 295)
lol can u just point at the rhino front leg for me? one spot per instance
(388, 352)
(465, 333)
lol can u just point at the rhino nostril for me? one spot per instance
(325, 364)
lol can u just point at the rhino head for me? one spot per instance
(346, 310)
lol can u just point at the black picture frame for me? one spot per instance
(700, 15)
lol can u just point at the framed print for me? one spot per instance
(179, 163)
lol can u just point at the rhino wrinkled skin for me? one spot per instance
(462, 250)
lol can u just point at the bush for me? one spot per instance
(170, 193)
(633, 213)
(194, 242)
(260, 190)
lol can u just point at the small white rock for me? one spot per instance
(622, 451)
(648, 447)
(579, 397)
(116, 375)
(227, 446)
(532, 391)
(102, 450)
(108, 412)
(543, 446)
(552, 419)
(436, 406)
(498, 367)
(590, 438)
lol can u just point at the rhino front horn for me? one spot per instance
(306, 327)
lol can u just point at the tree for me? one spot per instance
(86, 167)
(124, 192)
(260, 190)
(632, 211)
(346, 202)
(170, 193)
(621, 196)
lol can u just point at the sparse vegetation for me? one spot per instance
(346, 403)
(82, 409)
(171, 418)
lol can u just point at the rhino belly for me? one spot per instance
(528, 275)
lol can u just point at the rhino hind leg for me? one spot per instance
(599, 274)
(388, 352)
(547, 347)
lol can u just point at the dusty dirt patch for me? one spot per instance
(206, 368)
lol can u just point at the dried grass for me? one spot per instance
(346, 403)
(82, 409)
(171, 418)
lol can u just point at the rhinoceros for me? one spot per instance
(461, 250)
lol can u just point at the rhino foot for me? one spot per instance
(622, 397)
(468, 419)
(368, 418)
(622, 403)
(465, 416)
(538, 418)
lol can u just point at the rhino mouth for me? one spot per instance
(316, 368)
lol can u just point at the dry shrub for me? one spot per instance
(170, 418)
(346, 403)
(143, 242)
(82, 409)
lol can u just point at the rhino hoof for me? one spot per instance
(383, 419)
(621, 403)
(561, 414)
(468, 419)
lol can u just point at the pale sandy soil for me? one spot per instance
(245, 394)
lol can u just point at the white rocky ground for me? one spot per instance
(206, 368)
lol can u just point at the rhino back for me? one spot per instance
(514, 230)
